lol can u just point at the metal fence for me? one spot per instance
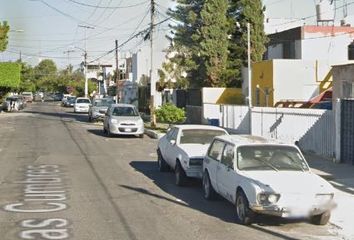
(313, 129)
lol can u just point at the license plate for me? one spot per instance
(127, 130)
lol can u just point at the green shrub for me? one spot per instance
(9, 75)
(169, 113)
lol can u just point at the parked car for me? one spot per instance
(82, 105)
(183, 149)
(13, 103)
(261, 176)
(65, 98)
(99, 108)
(28, 96)
(123, 119)
(70, 101)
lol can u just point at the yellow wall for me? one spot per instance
(262, 75)
(231, 96)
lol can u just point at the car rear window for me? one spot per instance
(83, 101)
(201, 136)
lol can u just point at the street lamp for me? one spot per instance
(266, 93)
(85, 70)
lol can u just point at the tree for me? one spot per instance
(4, 29)
(45, 74)
(27, 79)
(213, 42)
(240, 13)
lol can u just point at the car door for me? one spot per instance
(213, 159)
(106, 118)
(226, 176)
(164, 141)
(172, 148)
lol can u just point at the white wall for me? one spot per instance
(332, 49)
(294, 79)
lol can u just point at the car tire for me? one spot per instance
(180, 175)
(161, 163)
(244, 214)
(321, 219)
(141, 135)
(89, 118)
(208, 190)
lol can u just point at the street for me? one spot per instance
(62, 178)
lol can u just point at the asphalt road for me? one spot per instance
(61, 178)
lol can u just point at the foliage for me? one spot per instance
(208, 47)
(9, 75)
(4, 29)
(169, 113)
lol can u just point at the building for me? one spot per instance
(298, 63)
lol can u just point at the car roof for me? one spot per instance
(250, 140)
(122, 105)
(83, 98)
(198, 126)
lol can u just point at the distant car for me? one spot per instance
(123, 119)
(28, 96)
(82, 105)
(13, 103)
(263, 176)
(70, 101)
(99, 108)
(57, 96)
(183, 149)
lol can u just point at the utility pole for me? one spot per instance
(117, 74)
(152, 80)
(68, 53)
(86, 82)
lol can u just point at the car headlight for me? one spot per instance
(114, 121)
(268, 198)
(324, 197)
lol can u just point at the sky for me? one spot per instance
(51, 28)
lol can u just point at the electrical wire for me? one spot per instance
(107, 7)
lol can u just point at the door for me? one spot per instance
(172, 148)
(226, 176)
(213, 159)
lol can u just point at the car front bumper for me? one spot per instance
(292, 212)
(126, 130)
(81, 109)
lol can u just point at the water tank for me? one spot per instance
(325, 11)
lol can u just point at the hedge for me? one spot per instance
(10, 75)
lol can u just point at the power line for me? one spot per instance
(108, 7)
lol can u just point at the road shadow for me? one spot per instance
(191, 196)
(66, 116)
(99, 132)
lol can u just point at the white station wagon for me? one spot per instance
(183, 149)
(266, 177)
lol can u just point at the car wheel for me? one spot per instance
(89, 118)
(161, 163)
(244, 213)
(141, 135)
(180, 175)
(321, 219)
(209, 192)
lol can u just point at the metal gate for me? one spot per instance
(347, 131)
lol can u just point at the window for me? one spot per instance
(125, 112)
(228, 156)
(201, 136)
(174, 135)
(169, 133)
(215, 150)
(83, 100)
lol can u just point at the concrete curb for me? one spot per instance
(153, 134)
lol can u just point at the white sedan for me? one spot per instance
(266, 177)
(82, 105)
(183, 149)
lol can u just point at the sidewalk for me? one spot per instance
(341, 176)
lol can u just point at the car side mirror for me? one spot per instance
(173, 142)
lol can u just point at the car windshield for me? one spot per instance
(125, 112)
(83, 101)
(270, 157)
(200, 136)
(103, 103)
